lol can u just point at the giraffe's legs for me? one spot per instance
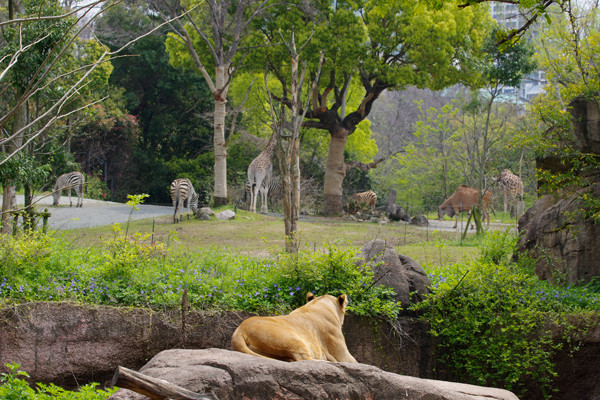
(263, 198)
(253, 195)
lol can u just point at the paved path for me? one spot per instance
(94, 212)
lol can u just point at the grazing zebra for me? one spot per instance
(274, 192)
(358, 200)
(182, 190)
(68, 181)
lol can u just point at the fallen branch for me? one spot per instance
(154, 388)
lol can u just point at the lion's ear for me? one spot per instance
(343, 300)
(309, 297)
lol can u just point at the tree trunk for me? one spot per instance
(154, 388)
(220, 146)
(335, 173)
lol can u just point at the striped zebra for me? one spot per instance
(182, 190)
(360, 200)
(274, 192)
(68, 181)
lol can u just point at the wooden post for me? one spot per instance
(15, 215)
(45, 217)
(154, 388)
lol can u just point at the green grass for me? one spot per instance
(262, 236)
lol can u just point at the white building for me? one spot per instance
(509, 16)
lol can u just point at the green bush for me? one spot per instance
(14, 387)
(134, 271)
(494, 319)
(95, 188)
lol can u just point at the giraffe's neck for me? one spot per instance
(268, 151)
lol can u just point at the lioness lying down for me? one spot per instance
(310, 332)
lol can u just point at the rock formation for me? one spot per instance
(230, 376)
(556, 232)
(565, 246)
(401, 273)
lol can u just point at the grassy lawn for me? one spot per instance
(258, 235)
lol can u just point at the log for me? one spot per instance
(154, 388)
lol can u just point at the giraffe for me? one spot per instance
(259, 175)
(512, 186)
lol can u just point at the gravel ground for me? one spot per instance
(94, 212)
(98, 213)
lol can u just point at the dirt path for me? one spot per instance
(99, 213)
(94, 212)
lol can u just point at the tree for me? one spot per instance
(385, 45)
(30, 46)
(170, 104)
(530, 11)
(288, 144)
(38, 41)
(568, 52)
(211, 33)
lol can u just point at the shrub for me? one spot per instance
(494, 319)
(95, 188)
(134, 271)
(14, 387)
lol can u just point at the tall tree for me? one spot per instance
(31, 45)
(386, 45)
(210, 34)
(568, 52)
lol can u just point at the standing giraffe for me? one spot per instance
(259, 175)
(512, 186)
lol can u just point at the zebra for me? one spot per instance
(274, 192)
(182, 190)
(70, 180)
(358, 200)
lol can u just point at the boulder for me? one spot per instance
(391, 200)
(204, 213)
(401, 273)
(231, 375)
(226, 215)
(419, 220)
(394, 212)
(563, 244)
(586, 121)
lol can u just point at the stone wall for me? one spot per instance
(70, 344)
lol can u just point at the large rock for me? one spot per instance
(231, 376)
(226, 215)
(586, 121)
(393, 210)
(401, 273)
(563, 244)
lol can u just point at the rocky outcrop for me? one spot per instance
(230, 375)
(393, 210)
(565, 244)
(401, 273)
(557, 232)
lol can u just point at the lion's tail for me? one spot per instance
(238, 343)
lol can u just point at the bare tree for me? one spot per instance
(288, 139)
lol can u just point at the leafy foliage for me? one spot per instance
(137, 271)
(569, 55)
(493, 318)
(13, 386)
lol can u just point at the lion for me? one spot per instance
(310, 332)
